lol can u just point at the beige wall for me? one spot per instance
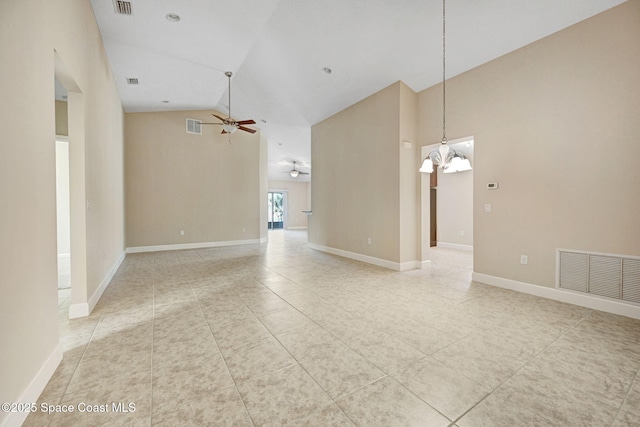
(30, 31)
(62, 122)
(556, 124)
(298, 200)
(357, 155)
(201, 184)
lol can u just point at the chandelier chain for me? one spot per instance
(444, 85)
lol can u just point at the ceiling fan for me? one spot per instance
(229, 125)
(295, 172)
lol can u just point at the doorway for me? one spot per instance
(447, 202)
(72, 120)
(275, 210)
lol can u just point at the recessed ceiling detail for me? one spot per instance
(172, 17)
(132, 81)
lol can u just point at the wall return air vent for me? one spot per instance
(122, 7)
(194, 126)
(605, 275)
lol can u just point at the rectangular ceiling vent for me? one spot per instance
(194, 126)
(605, 275)
(122, 7)
(132, 81)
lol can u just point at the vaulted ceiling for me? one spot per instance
(278, 50)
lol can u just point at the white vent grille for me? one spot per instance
(574, 271)
(607, 275)
(132, 81)
(194, 126)
(122, 7)
(631, 280)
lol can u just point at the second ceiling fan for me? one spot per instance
(229, 125)
(295, 172)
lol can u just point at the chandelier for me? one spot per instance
(447, 159)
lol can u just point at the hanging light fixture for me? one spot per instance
(443, 156)
(459, 163)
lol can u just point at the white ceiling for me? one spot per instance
(278, 48)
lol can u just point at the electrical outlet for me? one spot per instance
(369, 241)
(524, 259)
(182, 232)
(487, 207)
(462, 232)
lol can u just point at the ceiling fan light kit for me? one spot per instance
(444, 157)
(295, 172)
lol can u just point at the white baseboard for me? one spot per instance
(298, 228)
(264, 239)
(200, 245)
(410, 265)
(85, 308)
(369, 259)
(446, 245)
(80, 309)
(35, 387)
(562, 295)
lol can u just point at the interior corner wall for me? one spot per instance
(30, 31)
(556, 125)
(355, 178)
(409, 185)
(264, 187)
(202, 184)
(298, 201)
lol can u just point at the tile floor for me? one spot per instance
(279, 334)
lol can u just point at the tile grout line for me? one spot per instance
(235, 384)
(153, 336)
(50, 418)
(286, 349)
(386, 374)
(535, 356)
(297, 361)
(626, 396)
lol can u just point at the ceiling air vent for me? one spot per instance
(122, 7)
(132, 80)
(194, 126)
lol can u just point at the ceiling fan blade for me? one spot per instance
(218, 117)
(246, 129)
(303, 173)
(246, 122)
(224, 131)
(219, 124)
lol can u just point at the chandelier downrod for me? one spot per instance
(444, 84)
